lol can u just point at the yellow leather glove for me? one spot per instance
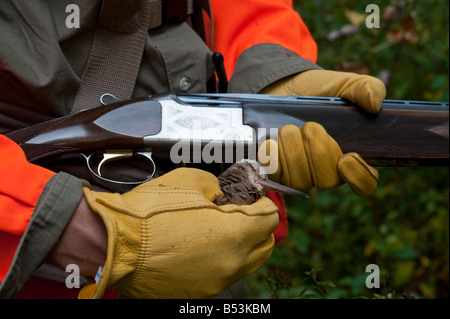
(167, 239)
(310, 157)
(364, 90)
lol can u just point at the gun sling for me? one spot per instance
(119, 41)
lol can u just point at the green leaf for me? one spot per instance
(407, 252)
(327, 283)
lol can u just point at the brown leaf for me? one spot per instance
(344, 31)
(392, 13)
(407, 32)
(355, 17)
(394, 34)
(409, 27)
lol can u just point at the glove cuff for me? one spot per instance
(96, 289)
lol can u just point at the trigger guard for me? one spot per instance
(117, 185)
(148, 156)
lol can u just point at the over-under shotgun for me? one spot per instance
(403, 133)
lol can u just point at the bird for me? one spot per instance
(244, 182)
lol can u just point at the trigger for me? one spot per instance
(148, 156)
(108, 157)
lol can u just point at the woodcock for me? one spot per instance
(243, 183)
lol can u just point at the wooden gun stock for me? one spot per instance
(120, 125)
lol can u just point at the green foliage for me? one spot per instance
(415, 68)
(404, 226)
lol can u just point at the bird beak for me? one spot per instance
(268, 185)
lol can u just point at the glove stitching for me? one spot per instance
(155, 209)
(361, 162)
(252, 211)
(166, 189)
(196, 205)
(144, 247)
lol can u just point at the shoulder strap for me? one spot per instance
(119, 40)
(117, 50)
(203, 28)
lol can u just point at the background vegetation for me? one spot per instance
(404, 226)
